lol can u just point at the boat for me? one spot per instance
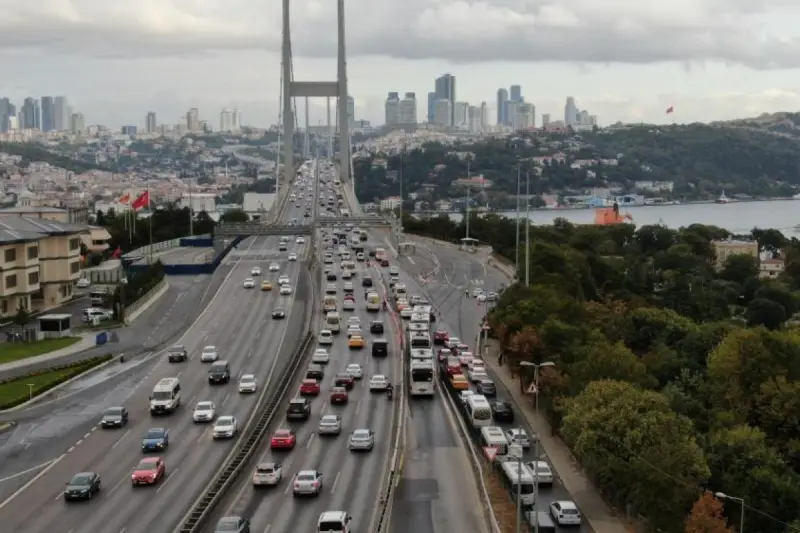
(610, 215)
(722, 199)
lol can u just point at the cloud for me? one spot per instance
(457, 31)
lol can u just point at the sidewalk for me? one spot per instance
(594, 509)
(87, 341)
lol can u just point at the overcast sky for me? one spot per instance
(624, 60)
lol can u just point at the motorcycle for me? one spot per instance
(385, 306)
(389, 394)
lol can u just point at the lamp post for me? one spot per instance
(740, 501)
(536, 367)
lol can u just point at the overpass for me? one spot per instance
(255, 229)
(361, 222)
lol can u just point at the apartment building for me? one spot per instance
(727, 248)
(40, 261)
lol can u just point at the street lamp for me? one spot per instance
(723, 496)
(536, 367)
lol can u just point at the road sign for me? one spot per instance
(485, 326)
(490, 452)
(532, 388)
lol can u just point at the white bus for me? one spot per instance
(333, 322)
(345, 212)
(516, 474)
(493, 436)
(479, 412)
(419, 339)
(422, 378)
(421, 354)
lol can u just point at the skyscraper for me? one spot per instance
(431, 106)
(225, 121)
(351, 112)
(62, 114)
(193, 119)
(28, 114)
(392, 108)
(570, 112)
(37, 114)
(48, 113)
(516, 93)
(502, 98)
(408, 109)
(150, 122)
(445, 88)
(5, 113)
(461, 115)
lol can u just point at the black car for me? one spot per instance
(502, 412)
(487, 388)
(331, 276)
(282, 247)
(315, 372)
(376, 327)
(232, 524)
(380, 348)
(177, 353)
(366, 281)
(82, 486)
(344, 380)
(298, 409)
(279, 312)
(114, 417)
(219, 372)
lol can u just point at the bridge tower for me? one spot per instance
(315, 89)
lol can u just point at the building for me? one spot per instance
(392, 109)
(461, 115)
(48, 113)
(445, 88)
(151, 125)
(524, 116)
(351, 112)
(256, 205)
(545, 120)
(198, 202)
(96, 240)
(129, 130)
(40, 261)
(225, 121)
(193, 119)
(443, 113)
(516, 93)
(408, 109)
(571, 112)
(77, 124)
(771, 268)
(431, 106)
(502, 98)
(63, 114)
(730, 247)
(392, 202)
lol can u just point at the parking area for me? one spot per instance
(74, 308)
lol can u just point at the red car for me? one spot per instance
(339, 395)
(440, 337)
(453, 366)
(384, 262)
(463, 348)
(283, 439)
(149, 471)
(344, 380)
(309, 387)
(444, 353)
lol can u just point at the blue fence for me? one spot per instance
(197, 242)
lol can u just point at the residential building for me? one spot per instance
(408, 109)
(96, 240)
(225, 121)
(151, 125)
(392, 202)
(392, 109)
(730, 247)
(78, 124)
(545, 120)
(771, 268)
(39, 263)
(129, 130)
(524, 116)
(193, 119)
(461, 115)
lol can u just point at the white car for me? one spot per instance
(481, 298)
(476, 292)
(378, 382)
(83, 283)
(300, 240)
(478, 374)
(292, 256)
(328, 259)
(209, 354)
(225, 427)
(348, 286)
(325, 337)
(347, 274)
(452, 342)
(465, 358)
(255, 271)
(349, 305)
(274, 267)
(330, 288)
(283, 280)
(491, 296)
(360, 257)
(465, 394)
(353, 320)
(353, 329)
(249, 283)
(361, 439)
(204, 412)
(247, 383)
(519, 437)
(321, 357)
(330, 425)
(542, 471)
(394, 271)
(565, 513)
(267, 474)
(355, 370)
(307, 482)
(406, 313)
(286, 289)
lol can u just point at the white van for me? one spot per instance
(334, 522)
(166, 396)
(518, 478)
(329, 303)
(333, 322)
(400, 290)
(494, 437)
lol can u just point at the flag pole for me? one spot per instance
(130, 214)
(150, 223)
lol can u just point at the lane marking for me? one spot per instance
(79, 442)
(117, 485)
(225, 399)
(310, 440)
(169, 477)
(267, 529)
(335, 482)
(26, 471)
(127, 431)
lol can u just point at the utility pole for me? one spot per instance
(519, 170)
(191, 209)
(527, 228)
(469, 159)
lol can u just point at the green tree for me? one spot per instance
(739, 268)
(768, 313)
(22, 317)
(234, 215)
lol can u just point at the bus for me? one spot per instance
(422, 382)
(373, 302)
(421, 354)
(419, 339)
(344, 212)
(518, 477)
(493, 436)
(479, 413)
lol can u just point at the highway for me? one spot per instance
(351, 481)
(238, 322)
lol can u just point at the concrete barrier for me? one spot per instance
(138, 307)
(197, 242)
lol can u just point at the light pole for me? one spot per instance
(519, 171)
(723, 496)
(536, 367)
(527, 228)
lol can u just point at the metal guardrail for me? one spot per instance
(362, 222)
(195, 519)
(242, 229)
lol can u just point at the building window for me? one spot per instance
(75, 243)
(11, 255)
(33, 252)
(11, 281)
(33, 278)
(75, 267)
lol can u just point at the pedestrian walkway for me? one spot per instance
(86, 342)
(594, 509)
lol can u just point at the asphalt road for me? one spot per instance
(453, 271)
(183, 255)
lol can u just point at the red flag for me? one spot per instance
(142, 201)
(670, 109)
(117, 253)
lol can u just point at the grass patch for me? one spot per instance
(14, 351)
(505, 510)
(16, 391)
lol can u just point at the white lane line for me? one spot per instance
(267, 529)
(127, 431)
(310, 440)
(358, 406)
(225, 399)
(26, 471)
(164, 483)
(117, 485)
(87, 435)
(78, 443)
(411, 260)
(335, 482)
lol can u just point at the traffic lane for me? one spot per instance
(96, 442)
(188, 255)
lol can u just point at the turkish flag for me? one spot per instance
(142, 201)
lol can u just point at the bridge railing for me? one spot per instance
(242, 229)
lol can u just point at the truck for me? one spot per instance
(373, 302)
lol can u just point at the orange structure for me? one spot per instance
(611, 215)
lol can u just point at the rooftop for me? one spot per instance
(21, 229)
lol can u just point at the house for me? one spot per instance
(40, 261)
(727, 248)
(770, 268)
(96, 240)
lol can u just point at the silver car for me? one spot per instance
(204, 412)
(330, 425)
(361, 440)
(307, 482)
(225, 428)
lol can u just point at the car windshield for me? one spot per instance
(146, 464)
(225, 421)
(81, 479)
(361, 434)
(155, 433)
(569, 511)
(227, 524)
(328, 420)
(176, 349)
(248, 379)
(114, 411)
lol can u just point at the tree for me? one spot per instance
(739, 268)
(22, 317)
(707, 516)
(234, 215)
(767, 313)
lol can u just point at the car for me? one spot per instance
(286, 289)
(83, 283)
(487, 388)
(360, 257)
(155, 440)
(309, 387)
(349, 304)
(339, 395)
(452, 342)
(316, 372)
(300, 240)
(361, 440)
(366, 281)
(348, 286)
(518, 436)
(114, 417)
(209, 354)
(444, 354)
(225, 427)
(328, 259)
(355, 370)
(283, 439)
(481, 298)
(347, 274)
(274, 267)
(279, 312)
(204, 411)
(465, 358)
(491, 296)
(292, 256)
(459, 382)
(307, 482)
(248, 383)
(344, 379)
(476, 292)
(177, 353)
(149, 471)
(378, 383)
(255, 271)
(353, 320)
(384, 262)
(320, 356)
(329, 425)
(502, 412)
(330, 275)
(356, 342)
(284, 280)
(266, 285)
(565, 513)
(325, 337)
(232, 524)
(298, 409)
(465, 395)
(330, 288)
(82, 486)
(376, 327)
(478, 374)
(249, 283)
(282, 247)
(353, 330)
(219, 372)
(542, 472)
(267, 474)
